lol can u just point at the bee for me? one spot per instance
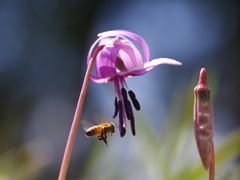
(101, 131)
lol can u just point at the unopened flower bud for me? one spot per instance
(203, 119)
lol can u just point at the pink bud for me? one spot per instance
(203, 119)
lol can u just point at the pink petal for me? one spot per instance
(91, 49)
(135, 37)
(99, 80)
(105, 63)
(131, 56)
(148, 66)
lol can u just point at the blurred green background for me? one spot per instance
(43, 50)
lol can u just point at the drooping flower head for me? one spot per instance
(124, 54)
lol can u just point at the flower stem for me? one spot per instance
(212, 164)
(76, 119)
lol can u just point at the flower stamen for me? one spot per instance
(126, 104)
(116, 108)
(134, 100)
(129, 111)
(121, 128)
(132, 123)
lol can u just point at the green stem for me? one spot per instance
(76, 119)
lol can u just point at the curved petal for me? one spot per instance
(148, 66)
(105, 66)
(91, 49)
(108, 68)
(102, 41)
(107, 58)
(105, 41)
(133, 36)
(99, 80)
(131, 56)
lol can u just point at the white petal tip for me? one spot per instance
(178, 63)
(173, 62)
(168, 61)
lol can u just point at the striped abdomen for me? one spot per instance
(94, 131)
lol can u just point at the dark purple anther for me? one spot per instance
(132, 122)
(116, 108)
(130, 111)
(127, 106)
(124, 93)
(131, 118)
(121, 128)
(134, 100)
(123, 132)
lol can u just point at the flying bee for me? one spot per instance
(101, 131)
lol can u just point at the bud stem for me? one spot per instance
(212, 164)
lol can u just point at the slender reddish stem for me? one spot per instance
(212, 164)
(76, 119)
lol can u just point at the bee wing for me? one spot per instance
(100, 119)
(86, 124)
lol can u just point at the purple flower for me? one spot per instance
(203, 123)
(121, 58)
